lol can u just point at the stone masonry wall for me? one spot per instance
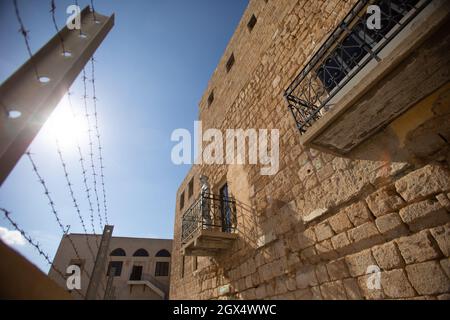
(312, 230)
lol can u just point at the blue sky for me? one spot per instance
(151, 71)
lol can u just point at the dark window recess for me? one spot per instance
(251, 23)
(117, 265)
(211, 98)
(140, 253)
(162, 269)
(163, 253)
(225, 208)
(230, 63)
(191, 188)
(136, 273)
(182, 200)
(182, 267)
(119, 252)
(194, 263)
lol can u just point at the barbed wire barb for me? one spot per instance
(61, 39)
(99, 144)
(24, 33)
(91, 152)
(72, 195)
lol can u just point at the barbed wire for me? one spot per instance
(97, 132)
(72, 195)
(24, 33)
(35, 244)
(83, 172)
(91, 152)
(53, 208)
(61, 40)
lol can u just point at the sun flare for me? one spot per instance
(66, 127)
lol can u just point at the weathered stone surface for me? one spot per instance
(340, 222)
(291, 283)
(445, 296)
(367, 291)
(315, 214)
(333, 291)
(357, 263)
(342, 187)
(358, 213)
(442, 236)
(317, 295)
(309, 254)
(306, 239)
(364, 235)
(260, 292)
(396, 285)
(352, 289)
(323, 231)
(322, 273)
(444, 201)
(391, 225)
(325, 248)
(306, 277)
(340, 241)
(428, 180)
(424, 214)
(337, 269)
(303, 294)
(445, 264)
(417, 248)
(384, 201)
(387, 256)
(428, 278)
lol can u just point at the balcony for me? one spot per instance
(209, 226)
(361, 79)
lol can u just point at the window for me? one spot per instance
(194, 263)
(230, 63)
(136, 273)
(162, 269)
(359, 41)
(225, 208)
(251, 23)
(182, 267)
(191, 188)
(119, 252)
(182, 200)
(117, 266)
(163, 253)
(211, 98)
(140, 253)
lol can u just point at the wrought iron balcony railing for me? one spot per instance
(349, 48)
(209, 212)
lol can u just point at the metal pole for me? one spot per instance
(100, 261)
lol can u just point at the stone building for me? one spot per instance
(141, 266)
(362, 188)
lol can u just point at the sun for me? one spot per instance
(66, 126)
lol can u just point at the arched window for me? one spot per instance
(119, 252)
(163, 253)
(140, 253)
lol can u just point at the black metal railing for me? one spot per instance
(345, 52)
(209, 212)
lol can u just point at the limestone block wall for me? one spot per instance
(312, 230)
